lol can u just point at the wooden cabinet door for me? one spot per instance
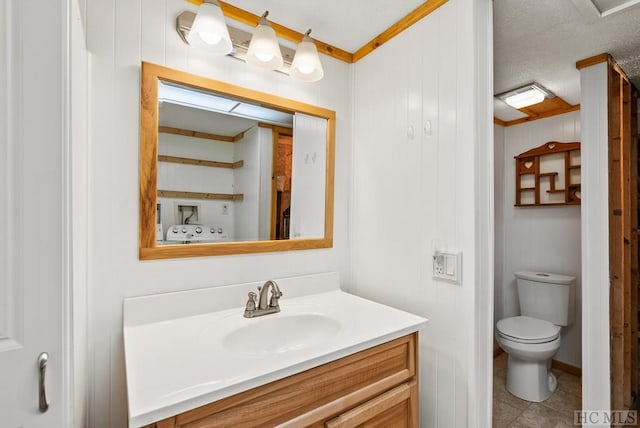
(395, 408)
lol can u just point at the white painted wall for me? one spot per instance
(194, 178)
(417, 191)
(544, 239)
(596, 384)
(121, 33)
(265, 137)
(246, 181)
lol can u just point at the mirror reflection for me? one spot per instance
(235, 169)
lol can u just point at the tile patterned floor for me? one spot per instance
(555, 412)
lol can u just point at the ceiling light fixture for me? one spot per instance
(264, 50)
(525, 96)
(207, 29)
(306, 64)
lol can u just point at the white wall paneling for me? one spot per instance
(422, 127)
(308, 176)
(120, 34)
(596, 384)
(545, 239)
(79, 211)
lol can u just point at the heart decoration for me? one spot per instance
(551, 145)
(528, 164)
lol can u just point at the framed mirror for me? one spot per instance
(230, 170)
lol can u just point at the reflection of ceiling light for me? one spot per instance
(525, 96)
(209, 29)
(193, 98)
(263, 114)
(190, 97)
(264, 50)
(306, 64)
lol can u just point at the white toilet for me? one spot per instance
(546, 304)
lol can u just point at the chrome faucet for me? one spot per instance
(262, 307)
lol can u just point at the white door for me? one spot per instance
(33, 230)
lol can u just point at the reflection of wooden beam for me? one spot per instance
(200, 195)
(279, 129)
(196, 134)
(200, 162)
(540, 116)
(238, 137)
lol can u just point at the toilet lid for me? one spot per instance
(528, 330)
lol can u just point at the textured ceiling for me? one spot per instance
(541, 40)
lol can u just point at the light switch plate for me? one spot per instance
(447, 266)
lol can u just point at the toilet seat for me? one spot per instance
(524, 329)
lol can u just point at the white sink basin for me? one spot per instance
(280, 334)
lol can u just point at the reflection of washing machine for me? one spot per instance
(194, 233)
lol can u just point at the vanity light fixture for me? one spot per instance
(525, 96)
(264, 49)
(306, 64)
(208, 30)
(261, 48)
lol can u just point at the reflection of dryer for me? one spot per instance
(194, 233)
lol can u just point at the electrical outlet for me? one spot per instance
(447, 267)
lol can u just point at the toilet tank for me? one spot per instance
(546, 296)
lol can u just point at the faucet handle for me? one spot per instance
(251, 305)
(275, 295)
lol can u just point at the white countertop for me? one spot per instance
(175, 365)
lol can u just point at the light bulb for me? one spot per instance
(264, 50)
(210, 38)
(306, 64)
(306, 69)
(209, 30)
(264, 56)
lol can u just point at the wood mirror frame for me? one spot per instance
(148, 248)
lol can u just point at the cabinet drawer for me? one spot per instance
(313, 396)
(395, 408)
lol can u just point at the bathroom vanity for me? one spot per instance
(328, 358)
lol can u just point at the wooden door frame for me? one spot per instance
(276, 132)
(623, 237)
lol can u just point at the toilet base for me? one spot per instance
(530, 380)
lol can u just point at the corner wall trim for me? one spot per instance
(416, 15)
(597, 59)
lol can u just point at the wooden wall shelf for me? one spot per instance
(198, 134)
(532, 175)
(200, 195)
(200, 162)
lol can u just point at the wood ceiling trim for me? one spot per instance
(549, 113)
(416, 15)
(597, 59)
(603, 57)
(246, 17)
